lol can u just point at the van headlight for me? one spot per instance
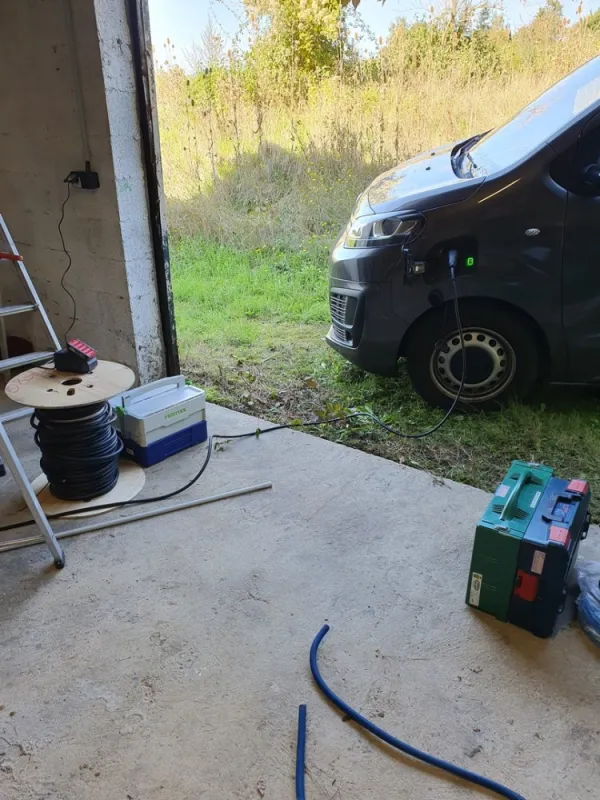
(381, 229)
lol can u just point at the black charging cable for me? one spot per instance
(69, 259)
(452, 260)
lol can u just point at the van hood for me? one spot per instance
(424, 182)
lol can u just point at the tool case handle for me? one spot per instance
(510, 507)
(550, 516)
(175, 381)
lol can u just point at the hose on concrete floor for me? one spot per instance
(398, 744)
(301, 753)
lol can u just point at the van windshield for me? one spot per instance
(535, 125)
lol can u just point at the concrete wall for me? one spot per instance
(45, 132)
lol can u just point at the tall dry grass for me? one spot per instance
(257, 168)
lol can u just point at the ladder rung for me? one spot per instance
(17, 413)
(21, 361)
(9, 251)
(9, 311)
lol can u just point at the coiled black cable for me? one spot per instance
(80, 450)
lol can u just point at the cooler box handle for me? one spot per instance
(510, 506)
(175, 381)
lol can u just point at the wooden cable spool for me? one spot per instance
(54, 394)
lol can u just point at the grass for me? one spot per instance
(251, 325)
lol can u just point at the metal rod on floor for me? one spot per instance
(15, 544)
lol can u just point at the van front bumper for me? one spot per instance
(364, 328)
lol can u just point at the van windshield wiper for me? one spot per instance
(462, 154)
(468, 157)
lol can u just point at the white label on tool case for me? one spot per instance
(502, 490)
(475, 592)
(538, 562)
(536, 497)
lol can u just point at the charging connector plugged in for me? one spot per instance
(452, 262)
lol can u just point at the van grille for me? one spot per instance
(338, 304)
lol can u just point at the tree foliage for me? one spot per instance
(592, 22)
(356, 3)
(295, 43)
(295, 37)
(294, 46)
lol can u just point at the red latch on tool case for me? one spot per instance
(560, 535)
(579, 486)
(526, 586)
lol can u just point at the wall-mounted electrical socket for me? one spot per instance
(84, 179)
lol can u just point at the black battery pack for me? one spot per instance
(76, 357)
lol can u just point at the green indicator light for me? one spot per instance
(470, 261)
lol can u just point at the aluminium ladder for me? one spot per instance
(9, 253)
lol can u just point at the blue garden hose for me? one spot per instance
(300, 753)
(465, 774)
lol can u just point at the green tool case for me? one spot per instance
(499, 534)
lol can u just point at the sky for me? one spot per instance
(182, 21)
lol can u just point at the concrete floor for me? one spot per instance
(167, 660)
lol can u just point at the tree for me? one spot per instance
(209, 53)
(356, 3)
(548, 25)
(553, 8)
(592, 21)
(310, 32)
(550, 19)
(294, 40)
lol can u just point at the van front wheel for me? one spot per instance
(501, 354)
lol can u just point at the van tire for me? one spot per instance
(503, 357)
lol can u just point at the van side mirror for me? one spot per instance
(591, 176)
